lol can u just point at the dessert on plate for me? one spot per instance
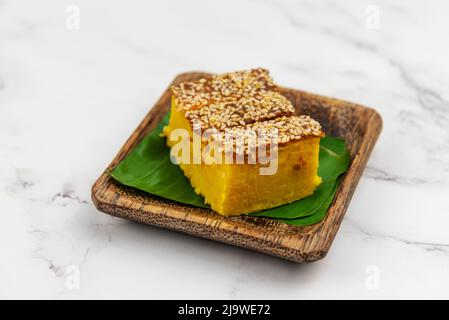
(240, 143)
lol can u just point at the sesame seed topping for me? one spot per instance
(227, 87)
(281, 131)
(241, 102)
(241, 112)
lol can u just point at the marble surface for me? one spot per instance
(76, 77)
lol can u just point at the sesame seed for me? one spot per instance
(242, 102)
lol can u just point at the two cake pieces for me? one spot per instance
(238, 140)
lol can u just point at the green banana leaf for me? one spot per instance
(148, 168)
(319, 214)
(334, 160)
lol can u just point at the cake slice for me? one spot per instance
(237, 169)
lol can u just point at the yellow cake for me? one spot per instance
(236, 176)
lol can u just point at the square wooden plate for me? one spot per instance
(358, 125)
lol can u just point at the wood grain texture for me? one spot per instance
(358, 125)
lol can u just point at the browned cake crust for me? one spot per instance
(235, 103)
(279, 131)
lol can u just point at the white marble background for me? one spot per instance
(70, 97)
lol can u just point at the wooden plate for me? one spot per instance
(358, 125)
